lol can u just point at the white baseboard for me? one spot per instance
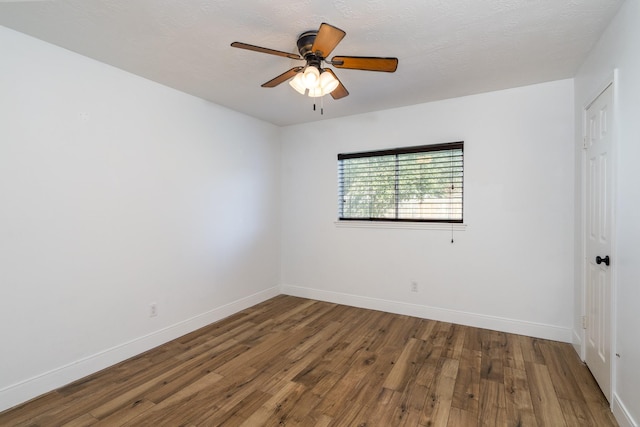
(28, 389)
(520, 327)
(577, 343)
(621, 414)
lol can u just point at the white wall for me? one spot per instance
(618, 49)
(511, 269)
(116, 192)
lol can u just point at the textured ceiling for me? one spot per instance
(446, 48)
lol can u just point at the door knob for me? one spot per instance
(601, 260)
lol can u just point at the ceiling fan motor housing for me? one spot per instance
(305, 43)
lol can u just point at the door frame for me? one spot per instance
(613, 82)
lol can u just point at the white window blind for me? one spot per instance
(423, 183)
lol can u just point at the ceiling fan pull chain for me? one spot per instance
(321, 106)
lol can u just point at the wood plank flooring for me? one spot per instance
(298, 362)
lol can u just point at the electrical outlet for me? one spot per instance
(153, 309)
(414, 286)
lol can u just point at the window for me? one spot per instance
(423, 183)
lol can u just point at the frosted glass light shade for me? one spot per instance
(311, 77)
(316, 92)
(327, 82)
(298, 84)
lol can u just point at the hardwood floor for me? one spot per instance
(292, 361)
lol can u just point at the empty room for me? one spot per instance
(305, 213)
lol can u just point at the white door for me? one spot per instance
(598, 238)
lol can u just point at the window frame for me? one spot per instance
(458, 145)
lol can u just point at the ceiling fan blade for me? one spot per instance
(265, 50)
(340, 91)
(282, 77)
(327, 39)
(366, 63)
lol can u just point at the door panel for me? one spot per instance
(598, 239)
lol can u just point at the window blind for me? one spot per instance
(423, 183)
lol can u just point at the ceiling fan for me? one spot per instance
(315, 47)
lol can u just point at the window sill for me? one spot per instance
(401, 225)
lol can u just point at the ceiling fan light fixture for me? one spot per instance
(298, 84)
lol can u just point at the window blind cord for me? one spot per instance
(451, 197)
(452, 223)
